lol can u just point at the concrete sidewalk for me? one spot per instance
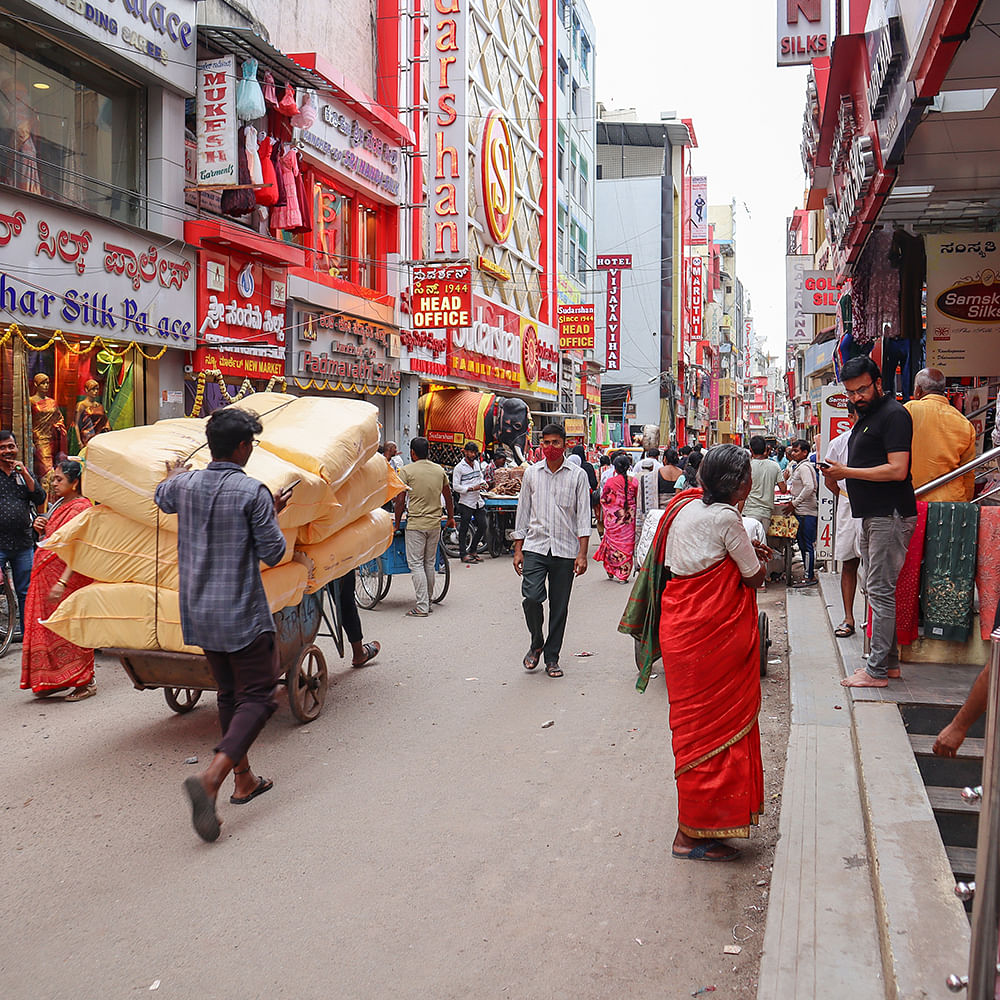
(862, 900)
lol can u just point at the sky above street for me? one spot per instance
(713, 61)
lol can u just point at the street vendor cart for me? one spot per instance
(501, 513)
(184, 676)
(373, 578)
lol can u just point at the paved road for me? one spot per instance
(425, 838)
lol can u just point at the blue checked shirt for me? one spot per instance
(226, 528)
(553, 510)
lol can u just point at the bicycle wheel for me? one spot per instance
(8, 613)
(494, 536)
(449, 541)
(442, 575)
(368, 584)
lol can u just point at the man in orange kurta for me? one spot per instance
(942, 439)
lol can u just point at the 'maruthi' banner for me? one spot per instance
(576, 327)
(963, 302)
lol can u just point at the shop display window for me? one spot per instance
(69, 129)
(334, 221)
(73, 398)
(368, 248)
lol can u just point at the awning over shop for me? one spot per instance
(245, 44)
(222, 235)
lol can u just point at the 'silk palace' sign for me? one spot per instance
(98, 278)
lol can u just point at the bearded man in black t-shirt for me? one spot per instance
(878, 483)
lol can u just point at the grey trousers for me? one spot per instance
(534, 572)
(421, 552)
(884, 541)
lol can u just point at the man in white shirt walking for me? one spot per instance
(551, 537)
(468, 482)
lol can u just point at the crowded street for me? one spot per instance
(449, 826)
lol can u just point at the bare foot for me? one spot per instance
(862, 679)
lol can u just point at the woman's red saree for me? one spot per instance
(709, 641)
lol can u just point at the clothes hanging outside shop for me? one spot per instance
(949, 570)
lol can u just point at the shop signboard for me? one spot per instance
(339, 350)
(441, 296)
(798, 329)
(963, 302)
(241, 316)
(157, 38)
(489, 351)
(697, 301)
(424, 352)
(614, 265)
(699, 210)
(822, 292)
(363, 157)
(217, 123)
(590, 389)
(834, 421)
(495, 177)
(805, 31)
(60, 270)
(539, 358)
(576, 327)
(447, 161)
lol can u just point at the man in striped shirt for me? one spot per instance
(551, 537)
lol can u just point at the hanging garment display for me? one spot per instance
(266, 195)
(908, 256)
(307, 112)
(279, 181)
(270, 98)
(287, 105)
(239, 201)
(949, 570)
(289, 215)
(253, 155)
(305, 204)
(249, 96)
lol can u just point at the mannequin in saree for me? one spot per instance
(91, 417)
(48, 428)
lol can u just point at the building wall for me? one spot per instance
(624, 210)
(341, 30)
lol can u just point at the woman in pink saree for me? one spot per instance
(618, 504)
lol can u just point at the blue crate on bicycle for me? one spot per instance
(394, 557)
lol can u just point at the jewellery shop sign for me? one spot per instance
(63, 271)
(337, 347)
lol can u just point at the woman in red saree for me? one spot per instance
(618, 504)
(50, 664)
(709, 641)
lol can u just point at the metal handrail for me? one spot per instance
(987, 456)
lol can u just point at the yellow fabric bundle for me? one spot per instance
(368, 487)
(328, 437)
(128, 615)
(367, 537)
(106, 546)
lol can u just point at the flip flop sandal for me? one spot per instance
(700, 853)
(203, 817)
(81, 693)
(531, 658)
(414, 613)
(553, 670)
(371, 650)
(843, 630)
(263, 785)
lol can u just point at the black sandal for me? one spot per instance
(553, 670)
(371, 650)
(531, 658)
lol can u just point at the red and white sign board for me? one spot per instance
(241, 316)
(614, 265)
(441, 297)
(216, 122)
(805, 31)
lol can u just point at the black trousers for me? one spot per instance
(349, 616)
(465, 515)
(247, 679)
(559, 574)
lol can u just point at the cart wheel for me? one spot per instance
(386, 582)
(495, 535)
(764, 627)
(368, 584)
(306, 681)
(181, 700)
(442, 576)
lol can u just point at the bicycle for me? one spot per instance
(8, 609)
(373, 578)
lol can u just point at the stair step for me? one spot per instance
(945, 799)
(971, 749)
(963, 860)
